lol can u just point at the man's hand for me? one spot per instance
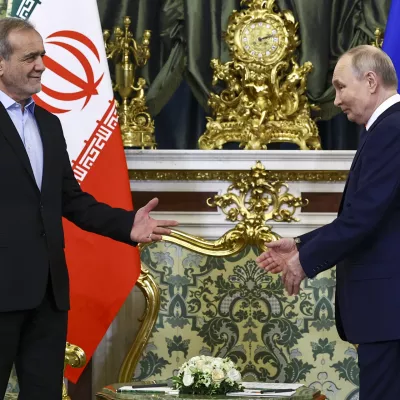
(283, 256)
(275, 260)
(146, 229)
(293, 275)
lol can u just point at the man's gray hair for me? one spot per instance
(7, 25)
(366, 58)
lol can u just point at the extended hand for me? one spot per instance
(293, 275)
(276, 259)
(146, 229)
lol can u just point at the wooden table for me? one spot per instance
(110, 393)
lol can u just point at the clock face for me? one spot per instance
(264, 39)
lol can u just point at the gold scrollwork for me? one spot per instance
(203, 175)
(261, 197)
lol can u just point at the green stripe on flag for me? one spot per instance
(22, 8)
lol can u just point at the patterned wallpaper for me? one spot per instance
(230, 307)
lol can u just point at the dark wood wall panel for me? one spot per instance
(321, 202)
(82, 390)
(175, 201)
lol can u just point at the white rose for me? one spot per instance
(188, 379)
(217, 375)
(200, 364)
(234, 375)
(217, 363)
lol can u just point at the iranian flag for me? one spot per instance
(77, 88)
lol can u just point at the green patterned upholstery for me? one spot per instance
(227, 306)
(12, 389)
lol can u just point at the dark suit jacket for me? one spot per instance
(364, 240)
(31, 232)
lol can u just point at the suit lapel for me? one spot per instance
(390, 110)
(364, 138)
(12, 136)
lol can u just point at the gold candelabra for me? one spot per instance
(137, 126)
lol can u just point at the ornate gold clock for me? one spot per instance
(263, 39)
(264, 100)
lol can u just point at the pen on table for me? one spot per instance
(269, 391)
(277, 391)
(149, 385)
(144, 391)
(139, 391)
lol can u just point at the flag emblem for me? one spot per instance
(78, 87)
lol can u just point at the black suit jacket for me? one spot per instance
(31, 231)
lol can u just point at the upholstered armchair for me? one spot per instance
(74, 357)
(210, 297)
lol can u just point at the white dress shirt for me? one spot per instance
(25, 122)
(382, 108)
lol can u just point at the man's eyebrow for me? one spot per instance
(34, 54)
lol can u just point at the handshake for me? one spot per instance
(283, 256)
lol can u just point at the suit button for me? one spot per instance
(43, 234)
(41, 206)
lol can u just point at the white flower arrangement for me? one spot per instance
(208, 375)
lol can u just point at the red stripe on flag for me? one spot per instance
(102, 271)
(107, 125)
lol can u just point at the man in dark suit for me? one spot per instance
(38, 188)
(364, 239)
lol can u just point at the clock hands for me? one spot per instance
(265, 37)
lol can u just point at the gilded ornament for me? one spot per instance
(75, 357)
(265, 96)
(137, 126)
(208, 175)
(378, 41)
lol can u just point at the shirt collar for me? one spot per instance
(382, 108)
(9, 103)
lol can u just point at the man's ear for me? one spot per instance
(372, 81)
(2, 62)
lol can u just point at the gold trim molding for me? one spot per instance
(213, 175)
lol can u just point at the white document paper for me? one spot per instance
(289, 393)
(267, 385)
